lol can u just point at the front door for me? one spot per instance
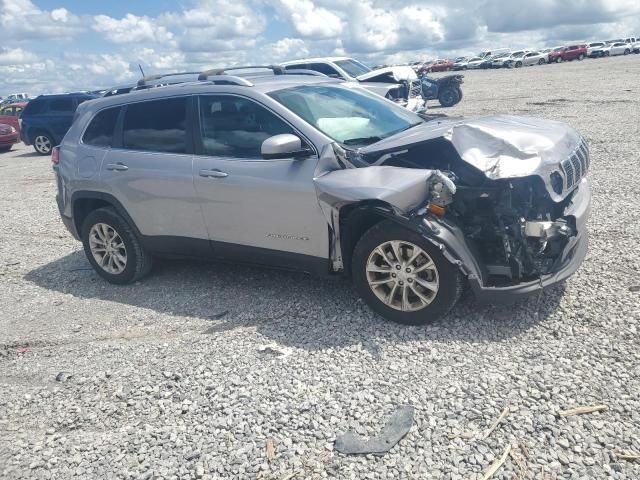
(266, 206)
(149, 170)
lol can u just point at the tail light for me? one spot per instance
(55, 155)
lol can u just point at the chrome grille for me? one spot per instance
(576, 166)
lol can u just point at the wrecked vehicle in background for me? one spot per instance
(308, 173)
(447, 90)
(397, 83)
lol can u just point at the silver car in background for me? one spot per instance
(315, 174)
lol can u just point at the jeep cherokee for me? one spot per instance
(314, 174)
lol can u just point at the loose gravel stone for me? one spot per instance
(153, 397)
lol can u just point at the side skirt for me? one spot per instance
(194, 248)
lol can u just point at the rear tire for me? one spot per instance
(123, 259)
(421, 305)
(518, 64)
(43, 143)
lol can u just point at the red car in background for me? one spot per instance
(10, 124)
(572, 52)
(10, 114)
(440, 66)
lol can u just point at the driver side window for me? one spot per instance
(232, 126)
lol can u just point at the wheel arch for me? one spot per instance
(85, 202)
(356, 219)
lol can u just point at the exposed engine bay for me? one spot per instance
(516, 229)
(515, 226)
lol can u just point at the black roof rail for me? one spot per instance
(276, 69)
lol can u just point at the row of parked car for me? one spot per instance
(505, 58)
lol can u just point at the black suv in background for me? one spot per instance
(46, 119)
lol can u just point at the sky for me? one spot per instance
(49, 46)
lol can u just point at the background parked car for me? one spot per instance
(528, 59)
(397, 83)
(596, 49)
(510, 61)
(468, 63)
(46, 119)
(572, 52)
(8, 136)
(10, 114)
(620, 48)
(440, 65)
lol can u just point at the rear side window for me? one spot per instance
(61, 105)
(34, 107)
(100, 131)
(158, 126)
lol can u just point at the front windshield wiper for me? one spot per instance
(361, 140)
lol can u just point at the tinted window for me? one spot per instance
(236, 127)
(297, 66)
(100, 130)
(34, 107)
(60, 105)
(324, 68)
(158, 126)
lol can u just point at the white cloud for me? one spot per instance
(310, 20)
(21, 20)
(131, 29)
(217, 25)
(16, 57)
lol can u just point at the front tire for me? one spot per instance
(112, 247)
(581, 57)
(403, 277)
(627, 51)
(559, 60)
(43, 143)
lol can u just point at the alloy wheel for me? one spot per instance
(42, 144)
(107, 248)
(402, 276)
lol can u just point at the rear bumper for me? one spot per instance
(68, 221)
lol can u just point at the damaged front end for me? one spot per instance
(505, 199)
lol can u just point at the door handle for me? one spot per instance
(213, 174)
(118, 167)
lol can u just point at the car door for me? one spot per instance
(58, 116)
(251, 204)
(149, 171)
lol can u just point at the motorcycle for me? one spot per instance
(446, 90)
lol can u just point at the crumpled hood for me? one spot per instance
(399, 73)
(500, 146)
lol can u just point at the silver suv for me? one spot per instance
(309, 173)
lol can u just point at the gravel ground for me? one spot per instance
(170, 378)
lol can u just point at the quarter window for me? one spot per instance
(158, 126)
(236, 127)
(61, 105)
(100, 131)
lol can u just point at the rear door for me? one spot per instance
(149, 170)
(248, 201)
(58, 116)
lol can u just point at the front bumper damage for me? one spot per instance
(403, 194)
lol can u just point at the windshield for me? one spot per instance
(353, 67)
(348, 115)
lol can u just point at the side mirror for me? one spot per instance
(285, 145)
